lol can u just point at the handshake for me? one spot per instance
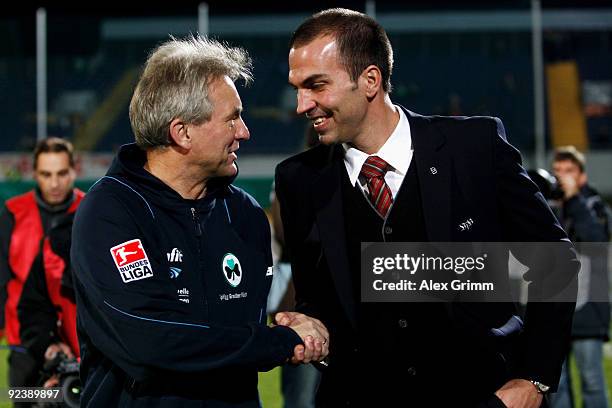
(313, 333)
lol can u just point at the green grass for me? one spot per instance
(4, 371)
(607, 369)
(269, 389)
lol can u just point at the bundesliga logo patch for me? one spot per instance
(132, 261)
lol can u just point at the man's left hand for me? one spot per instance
(314, 334)
(519, 393)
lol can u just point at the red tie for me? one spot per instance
(374, 170)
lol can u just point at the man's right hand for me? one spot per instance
(313, 333)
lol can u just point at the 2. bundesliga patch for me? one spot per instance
(132, 261)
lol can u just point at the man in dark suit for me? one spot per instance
(386, 174)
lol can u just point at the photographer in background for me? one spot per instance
(24, 221)
(585, 217)
(47, 308)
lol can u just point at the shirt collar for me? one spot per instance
(395, 151)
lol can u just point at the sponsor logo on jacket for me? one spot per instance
(176, 255)
(131, 261)
(183, 295)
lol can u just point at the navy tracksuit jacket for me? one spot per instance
(171, 293)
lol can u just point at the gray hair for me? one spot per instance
(174, 84)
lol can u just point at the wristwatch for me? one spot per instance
(541, 388)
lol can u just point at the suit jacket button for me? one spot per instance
(388, 230)
(411, 371)
(402, 323)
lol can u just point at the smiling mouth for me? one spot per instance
(320, 122)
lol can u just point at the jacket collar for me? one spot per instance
(129, 166)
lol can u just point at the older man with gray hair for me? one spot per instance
(172, 262)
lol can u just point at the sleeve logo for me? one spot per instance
(232, 270)
(131, 261)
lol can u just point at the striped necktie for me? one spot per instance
(380, 196)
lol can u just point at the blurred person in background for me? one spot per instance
(586, 218)
(172, 263)
(385, 174)
(24, 221)
(298, 381)
(47, 307)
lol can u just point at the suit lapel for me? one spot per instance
(434, 166)
(330, 222)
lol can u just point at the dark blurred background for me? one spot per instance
(451, 58)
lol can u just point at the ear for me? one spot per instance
(179, 134)
(371, 78)
(582, 179)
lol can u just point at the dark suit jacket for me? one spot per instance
(395, 353)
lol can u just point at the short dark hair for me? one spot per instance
(572, 154)
(362, 41)
(53, 145)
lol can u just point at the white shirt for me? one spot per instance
(397, 151)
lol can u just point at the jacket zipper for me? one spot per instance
(196, 219)
(198, 231)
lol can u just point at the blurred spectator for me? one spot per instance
(47, 307)
(586, 218)
(24, 221)
(298, 382)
